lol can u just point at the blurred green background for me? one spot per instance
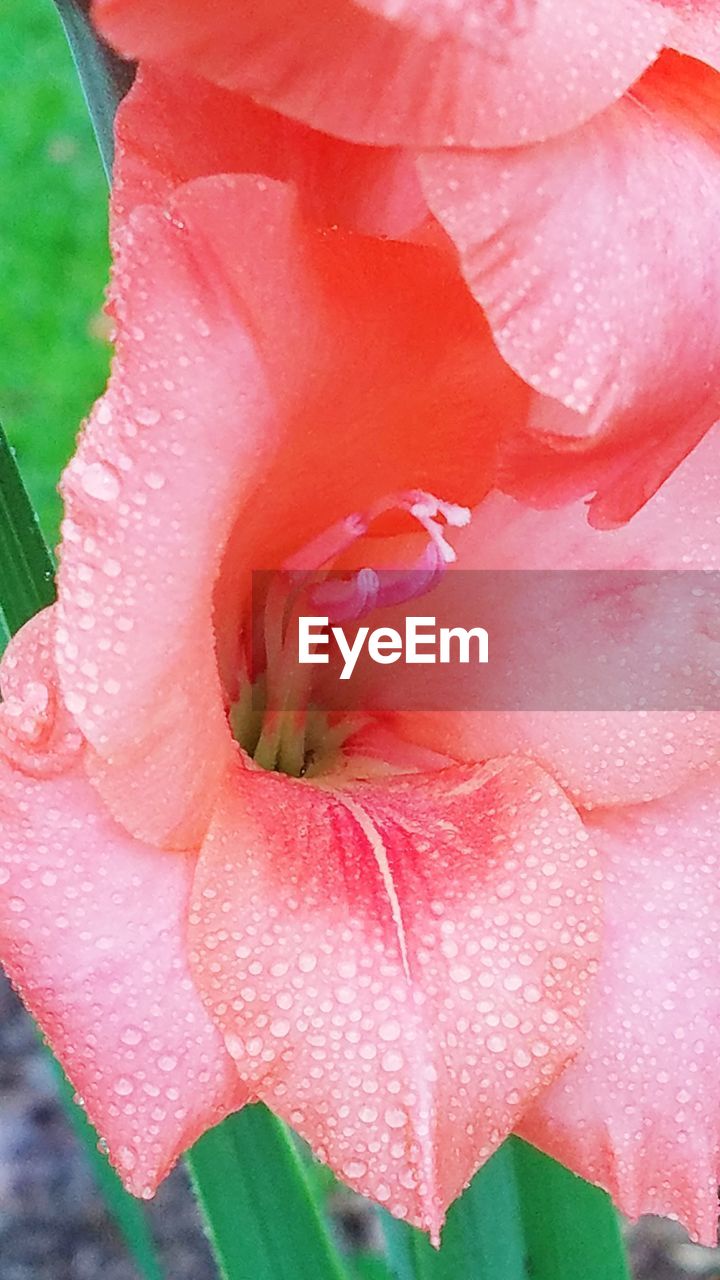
(53, 250)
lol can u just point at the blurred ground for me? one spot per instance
(53, 362)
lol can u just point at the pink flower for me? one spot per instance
(454, 926)
(570, 152)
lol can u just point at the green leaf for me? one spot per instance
(262, 1216)
(105, 78)
(483, 1236)
(571, 1227)
(368, 1266)
(26, 566)
(523, 1217)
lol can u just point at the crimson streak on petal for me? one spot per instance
(399, 1010)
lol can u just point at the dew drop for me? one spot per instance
(395, 1118)
(101, 482)
(147, 417)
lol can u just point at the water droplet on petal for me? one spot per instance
(101, 482)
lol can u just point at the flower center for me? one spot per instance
(274, 718)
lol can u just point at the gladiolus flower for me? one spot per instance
(426, 937)
(570, 153)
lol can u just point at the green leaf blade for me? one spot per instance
(571, 1227)
(483, 1235)
(263, 1219)
(523, 1217)
(105, 78)
(26, 566)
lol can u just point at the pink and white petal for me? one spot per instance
(398, 966)
(678, 530)
(160, 144)
(135, 643)
(594, 257)
(696, 29)
(417, 74)
(286, 377)
(92, 934)
(610, 758)
(637, 1111)
(600, 758)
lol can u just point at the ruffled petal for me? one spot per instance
(600, 758)
(637, 1111)
(269, 379)
(37, 733)
(419, 73)
(92, 935)
(397, 966)
(595, 258)
(171, 128)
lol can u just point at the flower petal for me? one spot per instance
(397, 966)
(269, 379)
(37, 733)
(638, 1110)
(696, 30)
(606, 757)
(422, 72)
(171, 128)
(595, 259)
(92, 935)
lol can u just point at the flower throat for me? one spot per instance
(274, 718)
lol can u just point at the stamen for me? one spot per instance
(366, 590)
(281, 744)
(343, 599)
(426, 509)
(272, 718)
(328, 545)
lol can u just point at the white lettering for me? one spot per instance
(307, 637)
(350, 653)
(414, 637)
(385, 645)
(463, 637)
